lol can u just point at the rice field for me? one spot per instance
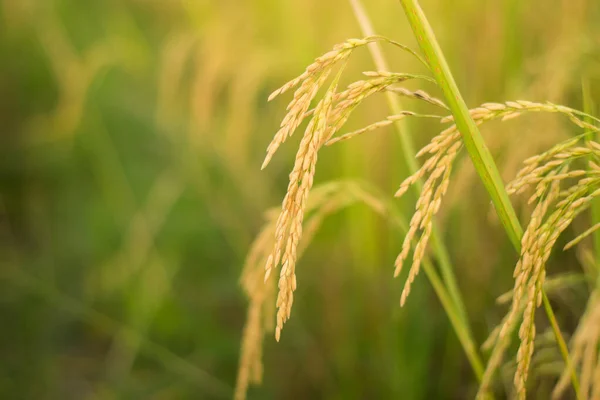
(261, 199)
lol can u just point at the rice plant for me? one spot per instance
(560, 183)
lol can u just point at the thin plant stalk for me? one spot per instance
(458, 315)
(562, 345)
(478, 151)
(589, 108)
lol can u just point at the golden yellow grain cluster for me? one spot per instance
(329, 115)
(311, 80)
(555, 210)
(289, 225)
(443, 149)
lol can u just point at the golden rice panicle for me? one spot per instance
(538, 166)
(303, 159)
(296, 112)
(328, 116)
(340, 51)
(525, 264)
(536, 255)
(547, 171)
(529, 276)
(444, 149)
(345, 101)
(524, 302)
(436, 146)
(309, 82)
(289, 224)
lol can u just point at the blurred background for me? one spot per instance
(132, 134)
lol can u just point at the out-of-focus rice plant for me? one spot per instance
(130, 192)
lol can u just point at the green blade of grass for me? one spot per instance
(589, 107)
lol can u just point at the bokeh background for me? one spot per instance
(131, 138)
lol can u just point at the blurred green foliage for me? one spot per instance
(130, 190)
